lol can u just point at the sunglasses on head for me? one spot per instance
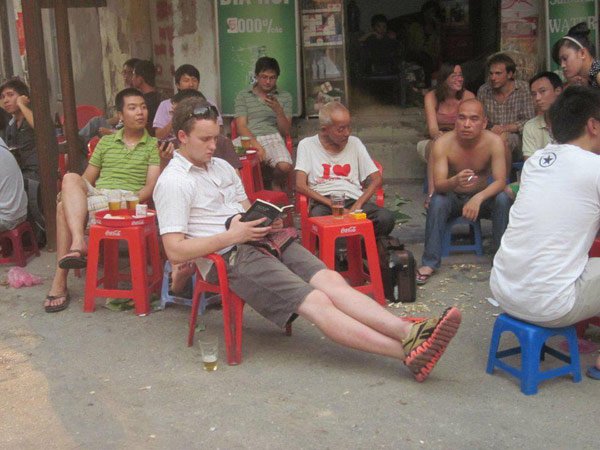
(204, 112)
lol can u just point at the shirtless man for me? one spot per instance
(463, 160)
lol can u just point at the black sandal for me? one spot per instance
(57, 308)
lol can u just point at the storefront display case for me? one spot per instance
(324, 54)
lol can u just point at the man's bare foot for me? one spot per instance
(180, 275)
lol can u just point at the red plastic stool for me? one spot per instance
(141, 235)
(328, 229)
(18, 244)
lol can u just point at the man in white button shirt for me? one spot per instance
(542, 273)
(194, 197)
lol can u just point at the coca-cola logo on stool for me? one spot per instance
(347, 230)
(112, 233)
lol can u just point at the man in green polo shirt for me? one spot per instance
(264, 114)
(126, 161)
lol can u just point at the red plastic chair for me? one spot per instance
(92, 146)
(233, 310)
(84, 114)
(328, 229)
(288, 145)
(18, 244)
(142, 245)
(302, 207)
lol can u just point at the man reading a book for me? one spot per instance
(197, 194)
(334, 162)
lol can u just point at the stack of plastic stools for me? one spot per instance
(18, 244)
(475, 228)
(141, 236)
(327, 229)
(166, 298)
(533, 348)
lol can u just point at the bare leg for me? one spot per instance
(63, 243)
(345, 330)
(74, 201)
(280, 175)
(71, 213)
(180, 275)
(359, 306)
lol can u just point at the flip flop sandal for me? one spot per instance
(57, 308)
(422, 278)
(593, 372)
(69, 261)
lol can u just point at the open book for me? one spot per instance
(261, 208)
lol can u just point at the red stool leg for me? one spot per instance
(111, 263)
(355, 261)
(374, 269)
(327, 249)
(91, 280)
(138, 266)
(18, 255)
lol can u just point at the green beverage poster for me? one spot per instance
(249, 29)
(562, 15)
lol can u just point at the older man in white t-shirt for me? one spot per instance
(334, 162)
(542, 273)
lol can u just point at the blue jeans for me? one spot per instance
(444, 207)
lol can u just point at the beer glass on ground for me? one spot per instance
(337, 205)
(209, 348)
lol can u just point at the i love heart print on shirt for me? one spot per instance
(339, 170)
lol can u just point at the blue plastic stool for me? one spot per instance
(165, 297)
(532, 340)
(476, 246)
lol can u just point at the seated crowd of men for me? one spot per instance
(200, 200)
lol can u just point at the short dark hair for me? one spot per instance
(378, 18)
(581, 34)
(127, 92)
(131, 62)
(146, 70)
(502, 58)
(186, 93)
(183, 114)
(551, 76)
(17, 85)
(571, 111)
(186, 69)
(265, 63)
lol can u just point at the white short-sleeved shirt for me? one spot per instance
(552, 225)
(330, 173)
(197, 201)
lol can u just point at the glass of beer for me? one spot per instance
(114, 200)
(246, 142)
(132, 201)
(337, 205)
(209, 348)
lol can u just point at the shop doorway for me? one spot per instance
(418, 36)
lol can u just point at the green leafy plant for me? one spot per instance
(399, 216)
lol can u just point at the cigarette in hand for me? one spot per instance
(470, 178)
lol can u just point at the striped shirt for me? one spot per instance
(517, 108)
(121, 168)
(262, 120)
